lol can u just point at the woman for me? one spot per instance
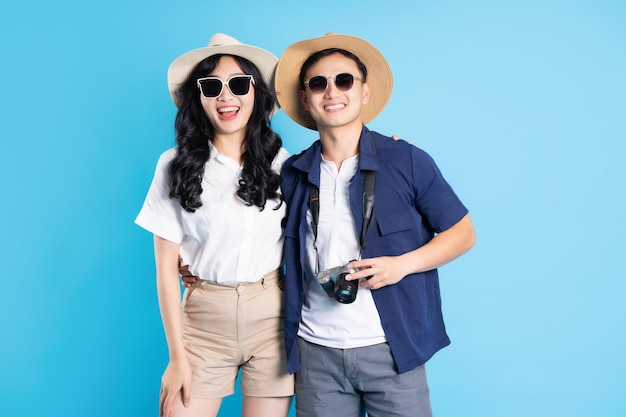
(215, 205)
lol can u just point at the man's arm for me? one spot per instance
(443, 248)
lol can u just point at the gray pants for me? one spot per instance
(350, 382)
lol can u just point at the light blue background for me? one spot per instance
(522, 104)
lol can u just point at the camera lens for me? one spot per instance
(345, 291)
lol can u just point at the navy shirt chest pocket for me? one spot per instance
(393, 223)
(397, 233)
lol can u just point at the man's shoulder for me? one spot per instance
(306, 153)
(288, 168)
(293, 158)
(290, 174)
(400, 148)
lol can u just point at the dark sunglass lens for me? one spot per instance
(344, 81)
(317, 84)
(239, 86)
(211, 88)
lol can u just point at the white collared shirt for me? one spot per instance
(326, 321)
(225, 240)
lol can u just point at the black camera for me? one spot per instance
(334, 282)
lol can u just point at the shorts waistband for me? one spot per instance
(268, 280)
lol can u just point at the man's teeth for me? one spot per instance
(335, 107)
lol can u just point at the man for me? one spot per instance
(356, 194)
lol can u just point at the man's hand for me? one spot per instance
(378, 272)
(188, 278)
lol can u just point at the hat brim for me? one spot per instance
(287, 81)
(182, 66)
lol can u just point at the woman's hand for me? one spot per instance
(175, 386)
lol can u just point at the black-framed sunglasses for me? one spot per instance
(212, 87)
(319, 83)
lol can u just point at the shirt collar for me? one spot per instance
(311, 158)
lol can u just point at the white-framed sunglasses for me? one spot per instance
(239, 85)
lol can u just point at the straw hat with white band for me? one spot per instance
(220, 43)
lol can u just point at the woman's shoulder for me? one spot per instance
(280, 159)
(164, 159)
(167, 155)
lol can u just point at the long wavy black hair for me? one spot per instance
(258, 183)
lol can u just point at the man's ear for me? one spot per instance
(303, 100)
(366, 93)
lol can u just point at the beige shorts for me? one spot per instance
(227, 328)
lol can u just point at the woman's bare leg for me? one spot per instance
(265, 406)
(198, 407)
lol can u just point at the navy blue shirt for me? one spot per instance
(412, 203)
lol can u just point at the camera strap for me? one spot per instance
(368, 208)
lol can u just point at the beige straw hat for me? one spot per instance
(220, 43)
(288, 70)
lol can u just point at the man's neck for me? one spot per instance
(339, 144)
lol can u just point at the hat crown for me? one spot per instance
(220, 39)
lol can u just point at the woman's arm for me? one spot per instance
(177, 376)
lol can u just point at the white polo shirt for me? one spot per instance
(225, 240)
(325, 321)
